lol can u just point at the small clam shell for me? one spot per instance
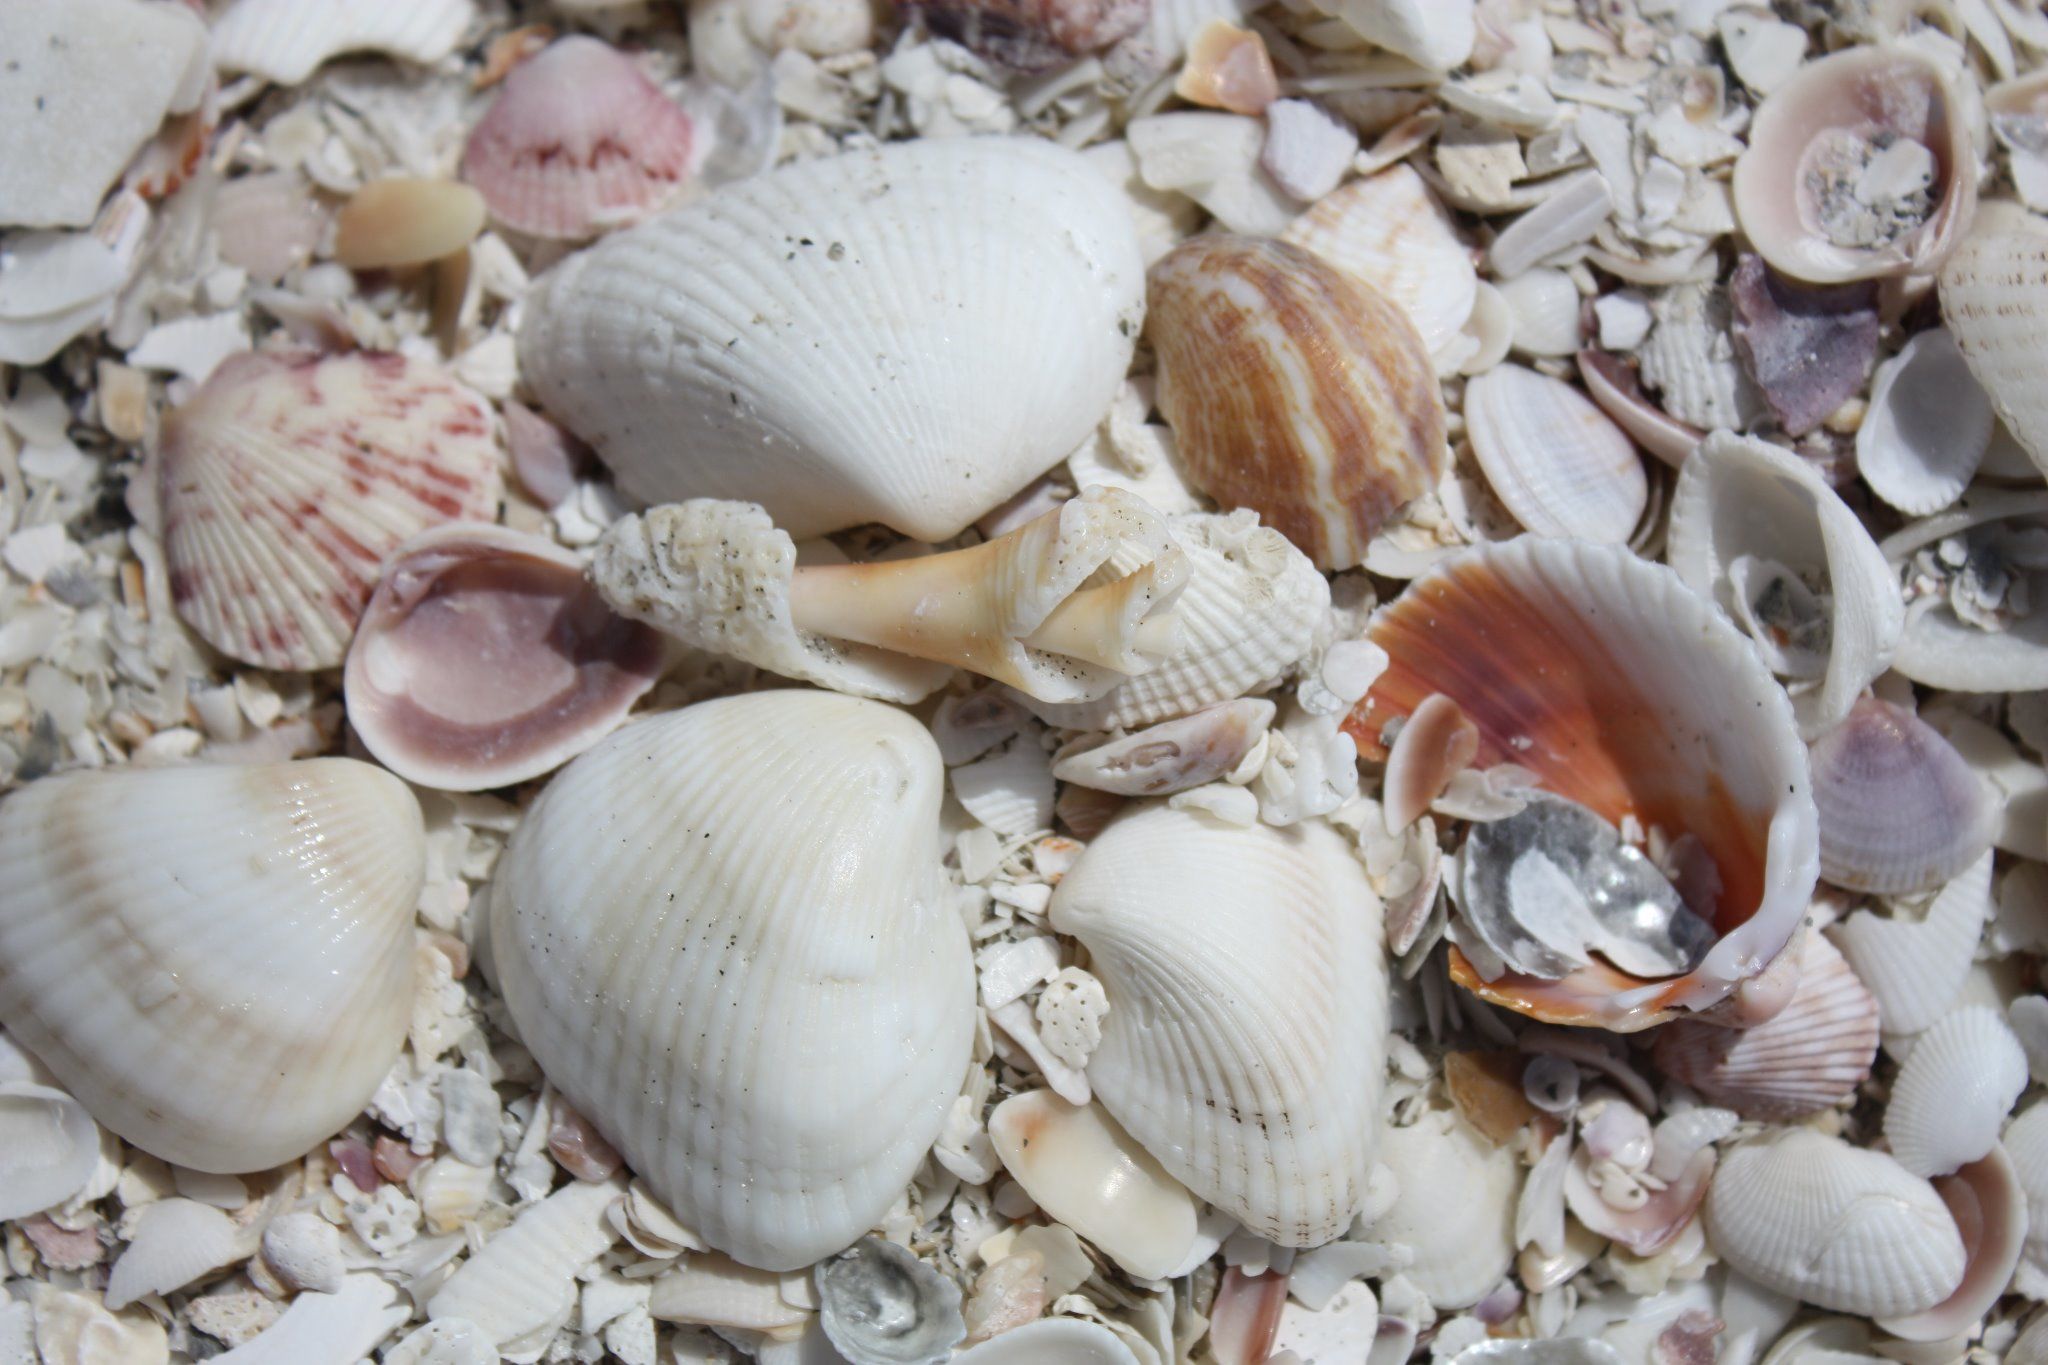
(1994, 297)
(1927, 427)
(285, 482)
(1555, 460)
(1915, 967)
(1990, 1208)
(522, 1285)
(1654, 1223)
(404, 221)
(49, 1146)
(1295, 390)
(1837, 1226)
(1436, 744)
(881, 1305)
(1952, 1095)
(1900, 811)
(1808, 350)
(284, 40)
(1545, 305)
(578, 141)
(1463, 1245)
(1173, 755)
(1859, 167)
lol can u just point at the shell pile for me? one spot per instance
(1023, 682)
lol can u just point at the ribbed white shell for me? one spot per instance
(1248, 1010)
(284, 40)
(1556, 461)
(218, 961)
(1837, 1226)
(1914, 967)
(525, 1276)
(49, 1146)
(2026, 1142)
(1455, 1208)
(906, 335)
(1953, 1093)
(725, 935)
(1994, 296)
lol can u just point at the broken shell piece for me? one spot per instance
(1436, 744)
(1954, 1091)
(1295, 390)
(971, 382)
(1990, 1208)
(406, 222)
(1555, 460)
(521, 1286)
(1915, 967)
(1308, 150)
(1436, 35)
(1968, 635)
(1228, 68)
(1078, 1165)
(1900, 810)
(881, 1305)
(49, 1147)
(1030, 36)
(484, 659)
(1262, 1099)
(154, 920)
(1173, 755)
(579, 141)
(304, 1251)
(1836, 1226)
(2026, 1143)
(1613, 385)
(1546, 308)
(1859, 167)
(1653, 708)
(173, 1243)
(1462, 1246)
(284, 40)
(1994, 296)
(1927, 427)
(285, 482)
(1051, 1341)
(1616, 1204)
(1807, 349)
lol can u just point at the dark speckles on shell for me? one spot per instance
(1295, 390)
(1033, 35)
(1809, 348)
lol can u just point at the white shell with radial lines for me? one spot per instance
(725, 934)
(1557, 462)
(217, 961)
(1994, 296)
(1951, 1097)
(1248, 1008)
(834, 340)
(1455, 1208)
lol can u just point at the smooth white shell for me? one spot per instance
(49, 1147)
(284, 40)
(341, 1326)
(1555, 460)
(1928, 426)
(1914, 967)
(767, 918)
(1952, 1095)
(1455, 1209)
(828, 340)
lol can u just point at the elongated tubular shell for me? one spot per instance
(1294, 389)
(725, 935)
(1627, 693)
(1248, 1001)
(218, 961)
(907, 335)
(1994, 296)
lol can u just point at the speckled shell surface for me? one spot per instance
(1248, 1007)
(217, 960)
(907, 335)
(724, 934)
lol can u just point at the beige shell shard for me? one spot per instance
(284, 40)
(1051, 1341)
(1173, 755)
(906, 335)
(1261, 1096)
(1554, 459)
(746, 889)
(405, 221)
(1994, 296)
(155, 923)
(1436, 35)
(1455, 1209)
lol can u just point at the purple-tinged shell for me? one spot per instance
(1809, 348)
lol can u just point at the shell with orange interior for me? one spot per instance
(1625, 692)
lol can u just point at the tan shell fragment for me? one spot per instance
(1294, 389)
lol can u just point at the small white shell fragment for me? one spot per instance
(1764, 52)
(54, 286)
(1576, 207)
(1927, 426)
(284, 40)
(1915, 967)
(1173, 755)
(718, 1291)
(49, 1146)
(1952, 1095)
(175, 1241)
(1011, 791)
(1545, 305)
(1307, 150)
(2026, 1143)
(1557, 462)
(449, 1341)
(1067, 1341)
(522, 1285)
(75, 1326)
(1464, 1245)
(1436, 35)
(304, 1251)
(329, 1329)
(1020, 1024)
(1213, 159)
(1008, 971)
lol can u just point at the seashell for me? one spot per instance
(1573, 210)
(304, 1251)
(1927, 427)
(1021, 608)
(1434, 34)
(448, 1342)
(881, 1305)
(1967, 638)
(49, 1147)
(1031, 36)
(285, 482)
(1078, 1165)
(1435, 745)
(1653, 708)
(1810, 1056)
(1390, 232)
(1261, 1100)
(174, 1242)
(346, 1324)
(483, 659)
(1011, 792)
(970, 383)
(1859, 167)
(1952, 1095)
(267, 224)
(579, 141)
(1808, 350)
(1755, 529)
(717, 1291)
(1545, 305)
(401, 222)
(1254, 607)
(1307, 151)
(1244, 1317)
(1613, 385)
(1836, 1226)
(1463, 1245)
(1228, 68)
(1900, 810)
(769, 986)
(1992, 290)
(1990, 1208)
(1555, 460)
(1914, 968)
(1212, 158)
(2026, 1144)
(284, 40)
(522, 1285)
(153, 921)
(1051, 1341)
(451, 1192)
(1244, 331)
(1657, 1216)
(1552, 1351)
(1173, 755)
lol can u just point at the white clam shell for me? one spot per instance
(49, 1147)
(1262, 1098)
(1915, 967)
(175, 1242)
(1928, 426)
(833, 344)
(1836, 1226)
(1990, 1208)
(1901, 812)
(1952, 1095)
(1051, 1341)
(1555, 460)
(522, 1284)
(1940, 649)
(2026, 1143)
(1994, 297)
(1546, 309)
(1737, 498)
(284, 40)
(155, 921)
(730, 933)
(1463, 1244)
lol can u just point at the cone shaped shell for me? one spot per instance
(285, 482)
(1294, 389)
(218, 961)
(1901, 812)
(1994, 296)
(1625, 692)
(1247, 999)
(832, 341)
(725, 936)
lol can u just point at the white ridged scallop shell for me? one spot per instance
(1952, 1095)
(1455, 1208)
(1940, 648)
(284, 40)
(1247, 999)
(1807, 1057)
(156, 922)
(2026, 1142)
(728, 905)
(522, 1284)
(1928, 426)
(1901, 812)
(1737, 498)
(285, 482)
(1836, 1226)
(1254, 607)
(1994, 297)
(1555, 461)
(1914, 967)
(830, 340)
